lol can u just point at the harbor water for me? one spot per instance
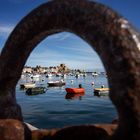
(55, 109)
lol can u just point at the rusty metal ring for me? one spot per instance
(113, 38)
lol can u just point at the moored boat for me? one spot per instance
(75, 90)
(35, 90)
(27, 85)
(35, 76)
(56, 83)
(94, 74)
(58, 75)
(101, 91)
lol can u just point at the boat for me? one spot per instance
(35, 76)
(94, 74)
(56, 83)
(58, 75)
(101, 91)
(49, 75)
(77, 75)
(84, 74)
(75, 90)
(27, 85)
(22, 76)
(35, 90)
(74, 96)
(64, 75)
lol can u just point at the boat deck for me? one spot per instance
(101, 91)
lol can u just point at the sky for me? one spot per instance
(63, 47)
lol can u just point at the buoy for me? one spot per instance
(92, 83)
(102, 86)
(72, 81)
(80, 85)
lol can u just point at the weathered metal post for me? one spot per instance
(112, 37)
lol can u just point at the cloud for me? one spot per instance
(65, 36)
(58, 54)
(60, 36)
(74, 43)
(71, 63)
(79, 49)
(6, 29)
(54, 58)
(75, 53)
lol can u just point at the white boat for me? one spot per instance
(94, 74)
(27, 85)
(36, 76)
(22, 76)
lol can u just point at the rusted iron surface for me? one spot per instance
(13, 130)
(83, 132)
(112, 37)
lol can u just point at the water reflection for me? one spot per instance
(62, 108)
(72, 96)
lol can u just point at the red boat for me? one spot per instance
(75, 90)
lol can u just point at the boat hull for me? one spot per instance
(27, 85)
(36, 91)
(101, 91)
(59, 84)
(75, 90)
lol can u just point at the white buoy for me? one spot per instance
(92, 83)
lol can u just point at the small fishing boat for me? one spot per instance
(58, 75)
(35, 90)
(75, 90)
(27, 85)
(94, 74)
(56, 83)
(101, 91)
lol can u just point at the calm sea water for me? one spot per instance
(54, 109)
